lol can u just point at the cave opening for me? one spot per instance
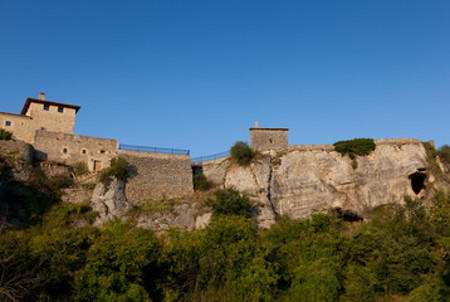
(417, 182)
(347, 215)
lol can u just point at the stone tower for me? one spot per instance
(266, 139)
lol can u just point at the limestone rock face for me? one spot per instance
(303, 179)
(183, 216)
(203, 221)
(111, 202)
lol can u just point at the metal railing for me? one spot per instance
(154, 149)
(210, 157)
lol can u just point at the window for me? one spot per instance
(8, 123)
(84, 151)
(102, 151)
(65, 150)
(60, 109)
(270, 141)
(46, 107)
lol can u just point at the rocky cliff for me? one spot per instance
(308, 178)
(295, 183)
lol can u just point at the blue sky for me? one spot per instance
(198, 74)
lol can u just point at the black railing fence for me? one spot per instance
(210, 157)
(154, 149)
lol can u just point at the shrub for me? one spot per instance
(357, 146)
(118, 169)
(80, 168)
(200, 182)
(242, 153)
(431, 151)
(5, 135)
(59, 181)
(229, 202)
(444, 154)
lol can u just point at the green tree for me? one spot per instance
(122, 265)
(118, 169)
(229, 202)
(241, 153)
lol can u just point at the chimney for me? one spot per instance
(256, 124)
(42, 96)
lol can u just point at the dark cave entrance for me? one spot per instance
(347, 215)
(417, 182)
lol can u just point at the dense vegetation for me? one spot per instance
(402, 253)
(200, 182)
(354, 147)
(229, 202)
(444, 154)
(241, 153)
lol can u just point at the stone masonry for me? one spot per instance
(265, 139)
(157, 176)
(70, 149)
(39, 114)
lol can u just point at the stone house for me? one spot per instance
(49, 127)
(266, 139)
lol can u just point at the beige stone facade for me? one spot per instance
(266, 139)
(52, 117)
(70, 149)
(20, 125)
(39, 114)
(49, 127)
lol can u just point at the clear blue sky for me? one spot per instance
(197, 74)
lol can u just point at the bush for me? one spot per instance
(242, 153)
(357, 146)
(118, 169)
(229, 202)
(5, 135)
(80, 168)
(200, 182)
(444, 154)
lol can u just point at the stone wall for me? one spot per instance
(52, 120)
(24, 127)
(157, 176)
(264, 139)
(95, 152)
(21, 126)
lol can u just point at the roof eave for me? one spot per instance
(30, 100)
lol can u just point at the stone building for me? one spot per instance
(49, 127)
(266, 139)
(39, 114)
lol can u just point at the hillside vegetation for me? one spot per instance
(57, 254)
(402, 253)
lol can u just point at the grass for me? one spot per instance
(89, 185)
(152, 205)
